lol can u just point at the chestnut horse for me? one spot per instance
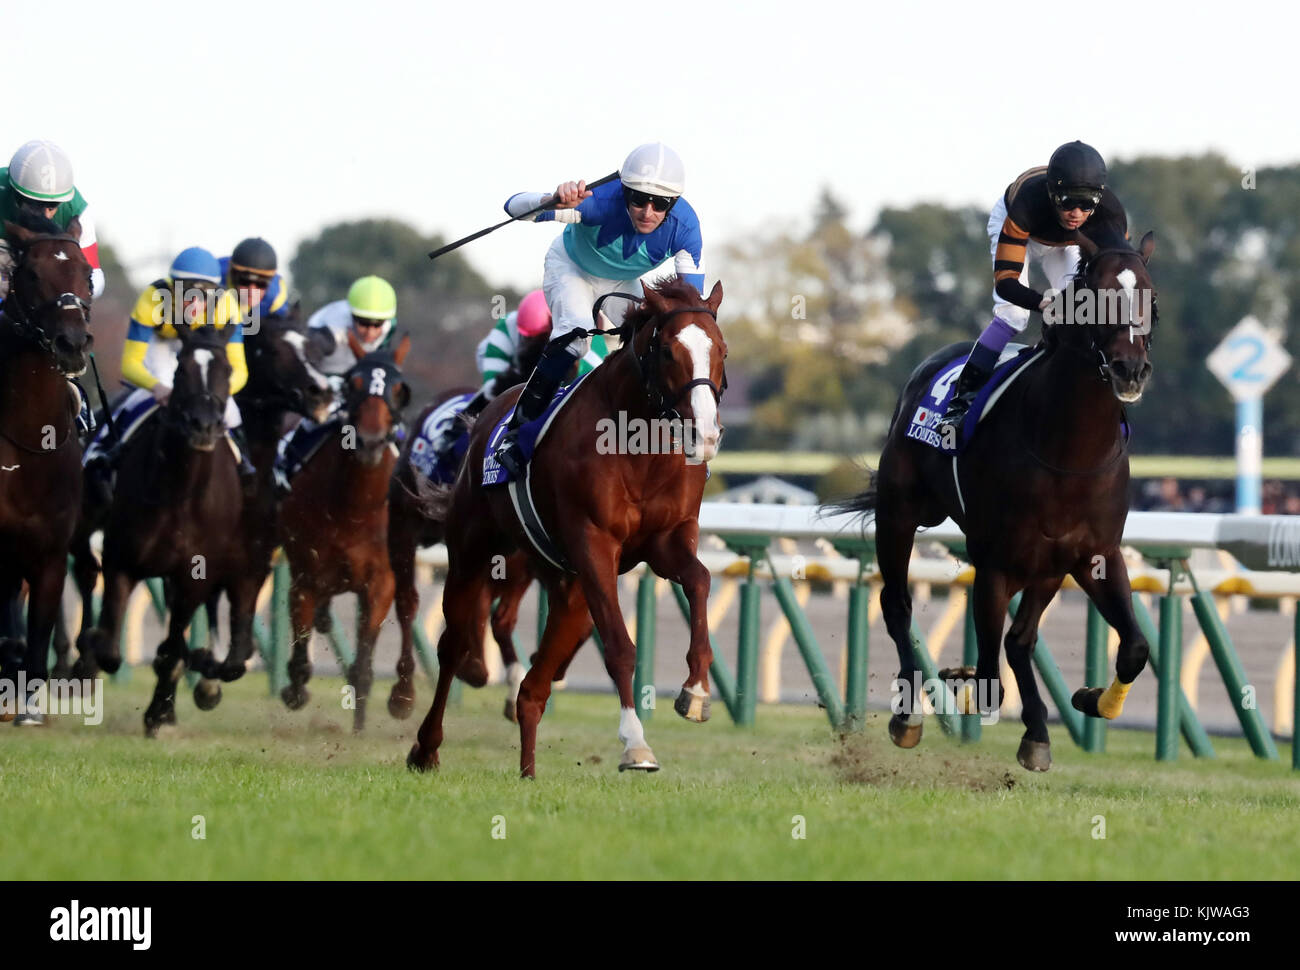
(1043, 493)
(605, 512)
(44, 339)
(409, 528)
(335, 521)
(177, 513)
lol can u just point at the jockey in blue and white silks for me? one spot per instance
(612, 236)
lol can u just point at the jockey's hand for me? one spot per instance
(161, 392)
(568, 195)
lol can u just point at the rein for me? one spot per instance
(647, 365)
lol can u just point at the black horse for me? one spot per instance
(44, 339)
(1041, 491)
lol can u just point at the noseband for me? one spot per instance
(647, 364)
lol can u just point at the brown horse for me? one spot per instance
(44, 338)
(605, 512)
(410, 528)
(1043, 493)
(335, 521)
(177, 513)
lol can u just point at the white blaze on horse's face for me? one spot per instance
(299, 344)
(703, 406)
(1127, 280)
(203, 358)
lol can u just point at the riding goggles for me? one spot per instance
(1085, 199)
(639, 200)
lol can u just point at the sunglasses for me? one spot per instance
(639, 200)
(1067, 202)
(244, 281)
(360, 322)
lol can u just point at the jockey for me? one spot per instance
(39, 177)
(250, 269)
(369, 312)
(152, 346)
(1040, 218)
(612, 236)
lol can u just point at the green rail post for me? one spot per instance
(1171, 656)
(931, 673)
(1234, 677)
(199, 639)
(262, 640)
(281, 629)
(645, 646)
(1054, 682)
(1193, 733)
(543, 611)
(341, 643)
(970, 656)
(810, 650)
(718, 670)
(1094, 675)
(857, 640)
(753, 548)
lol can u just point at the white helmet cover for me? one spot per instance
(654, 168)
(41, 170)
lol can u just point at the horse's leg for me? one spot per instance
(465, 604)
(401, 556)
(242, 596)
(598, 572)
(673, 557)
(99, 646)
(510, 594)
(566, 617)
(895, 533)
(85, 572)
(168, 665)
(1114, 598)
(372, 606)
(43, 599)
(1035, 752)
(302, 610)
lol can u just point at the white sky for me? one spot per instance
(277, 119)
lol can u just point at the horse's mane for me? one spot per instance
(33, 221)
(669, 287)
(1107, 243)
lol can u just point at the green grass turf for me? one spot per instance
(296, 795)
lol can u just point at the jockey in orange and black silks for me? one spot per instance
(1039, 218)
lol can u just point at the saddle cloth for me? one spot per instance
(423, 458)
(923, 426)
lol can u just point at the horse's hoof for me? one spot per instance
(401, 702)
(473, 671)
(207, 694)
(1034, 755)
(957, 673)
(61, 670)
(638, 759)
(693, 707)
(511, 710)
(295, 696)
(1085, 700)
(416, 761)
(904, 735)
(83, 668)
(30, 719)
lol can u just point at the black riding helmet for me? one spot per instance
(1076, 171)
(254, 255)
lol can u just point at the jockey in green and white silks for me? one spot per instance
(612, 236)
(370, 313)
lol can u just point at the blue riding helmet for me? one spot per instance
(196, 263)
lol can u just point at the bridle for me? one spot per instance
(290, 399)
(366, 368)
(24, 320)
(647, 364)
(1093, 353)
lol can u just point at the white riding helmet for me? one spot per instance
(654, 168)
(41, 170)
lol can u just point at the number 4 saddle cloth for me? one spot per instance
(1015, 360)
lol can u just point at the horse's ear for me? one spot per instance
(1147, 246)
(403, 348)
(1087, 247)
(403, 395)
(355, 345)
(715, 297)
(17, 233)
(654, 301)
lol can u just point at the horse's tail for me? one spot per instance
(432, 498)
(863, 504)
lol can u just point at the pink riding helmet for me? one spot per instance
(534, 316)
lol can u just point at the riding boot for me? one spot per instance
(290, 458)
(451, 434)
(973, 378)
(247, 473)
(101, 471)
(552, 368)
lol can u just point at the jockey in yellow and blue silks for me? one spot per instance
(614, 235)
(152, 347)
(250, 270)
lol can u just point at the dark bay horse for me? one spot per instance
(44, 339)
(606, 512)
(177, 513)
(335, 521)
(411, 528)
(1044, 494)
